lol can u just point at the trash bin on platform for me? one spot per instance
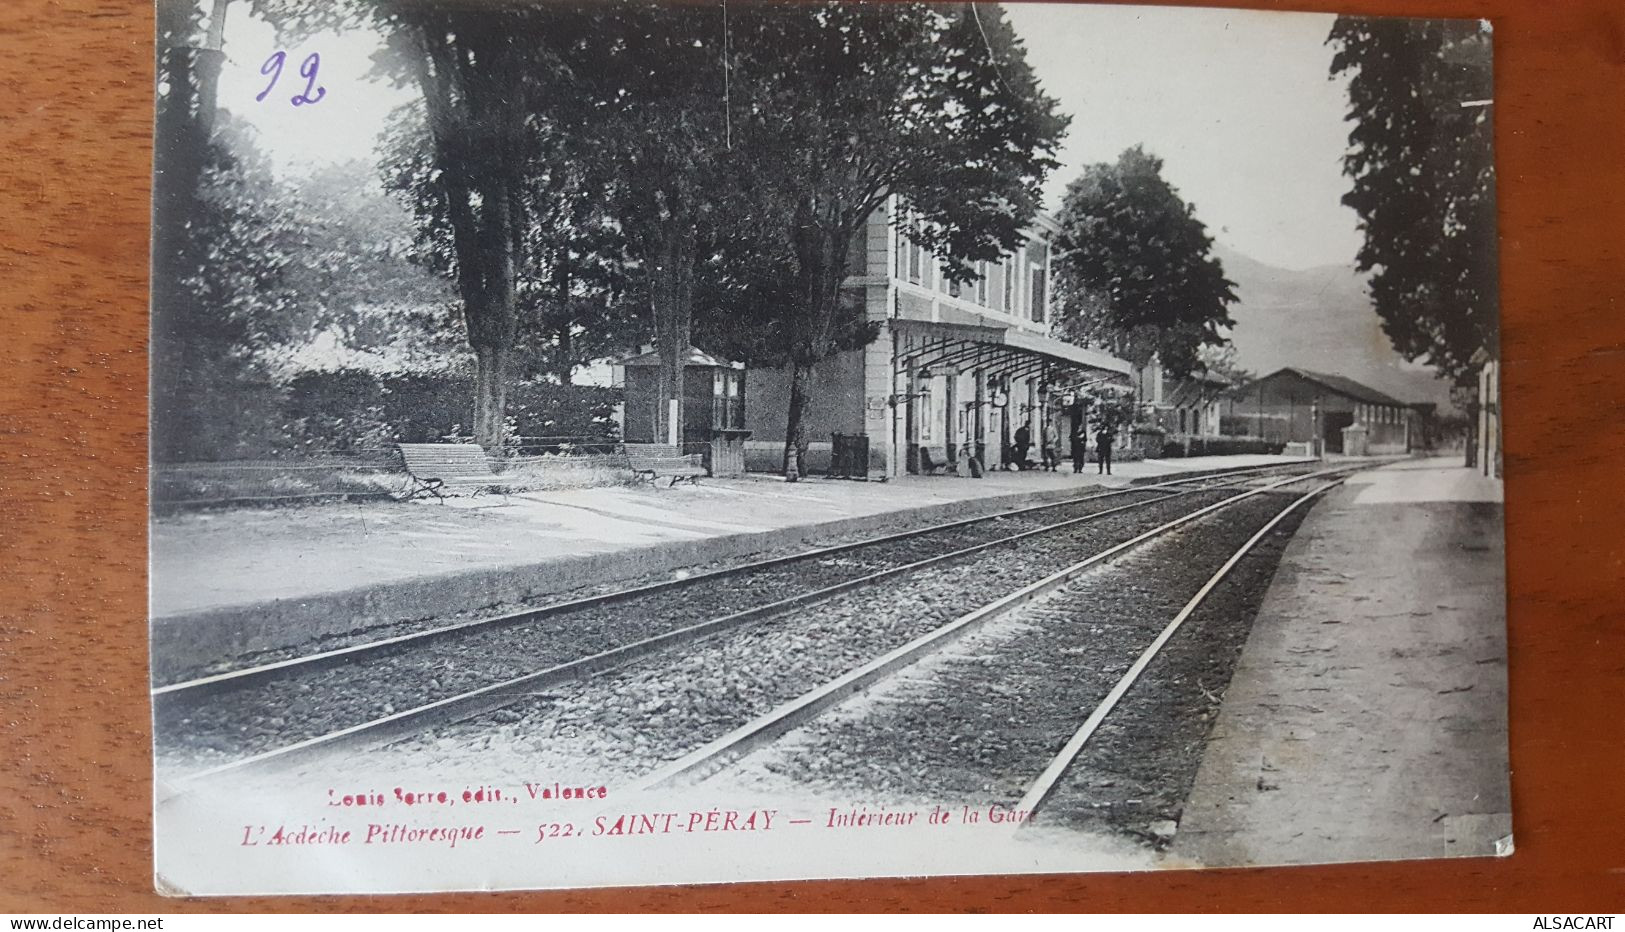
(849, 456)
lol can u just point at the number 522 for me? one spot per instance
(307, 70)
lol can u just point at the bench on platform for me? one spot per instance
(438, 468)
(928, 466)
(653, 461)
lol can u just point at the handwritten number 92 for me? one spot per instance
(307, 70)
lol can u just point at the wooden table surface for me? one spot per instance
(74, 732)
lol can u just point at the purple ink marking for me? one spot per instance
(273, 63)
(308, 70)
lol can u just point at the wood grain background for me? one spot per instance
(75, 130)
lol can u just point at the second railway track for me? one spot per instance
(1084, 703)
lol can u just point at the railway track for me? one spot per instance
(765, 729)
(235, 677)
(1050, 781)
(395, 725)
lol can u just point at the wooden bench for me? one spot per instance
(653, 460)
(438, 468)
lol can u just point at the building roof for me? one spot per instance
(696, 357)
(1194, 391)
(1341, 385)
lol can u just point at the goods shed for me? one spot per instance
(1333, 413)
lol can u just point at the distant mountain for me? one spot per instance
(1320, 319)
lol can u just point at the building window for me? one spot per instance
(1007, 279)
(1039, 281)
(981, 283)
(1182, 420)
(1017, 263)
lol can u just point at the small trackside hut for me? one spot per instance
(713, 408)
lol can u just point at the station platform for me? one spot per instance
(227, 582)
(1366, 718)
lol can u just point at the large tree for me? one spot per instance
(842, 105)
(571, 275)
(220, 296)
(1136, 272)
(184, 222)
(611, 167)
(647, 108)
(483, 79)
(1424, 181)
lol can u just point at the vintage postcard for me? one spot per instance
(631, 442)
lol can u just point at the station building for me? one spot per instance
(955, 372)
(1328, 413)
(1192, 407)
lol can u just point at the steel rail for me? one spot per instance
(398, 725)
(232, 679)
(1041, 788)
(721, 752)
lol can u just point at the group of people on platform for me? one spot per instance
(1050, 449)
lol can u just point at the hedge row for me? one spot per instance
(1220, 446)
(351, 412)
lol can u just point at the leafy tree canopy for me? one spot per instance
(1424, 181)
(839, 106)
(1135, 269)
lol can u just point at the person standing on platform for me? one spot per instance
(1080, 446)
(1024, 442)
(1103, 449)
(1052, 446)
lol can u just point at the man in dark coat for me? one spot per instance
(1080, 451)
(1024, 442)
(1103, 449)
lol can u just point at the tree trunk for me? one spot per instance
(820, 243)
(484, 231)
(795, 431)
(488, 309)
(185, 118)
(490, 396)
(671, 297)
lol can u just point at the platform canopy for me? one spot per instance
(1001, 352)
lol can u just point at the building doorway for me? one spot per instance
(1332, 424)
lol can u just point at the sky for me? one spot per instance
(1238, 104)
